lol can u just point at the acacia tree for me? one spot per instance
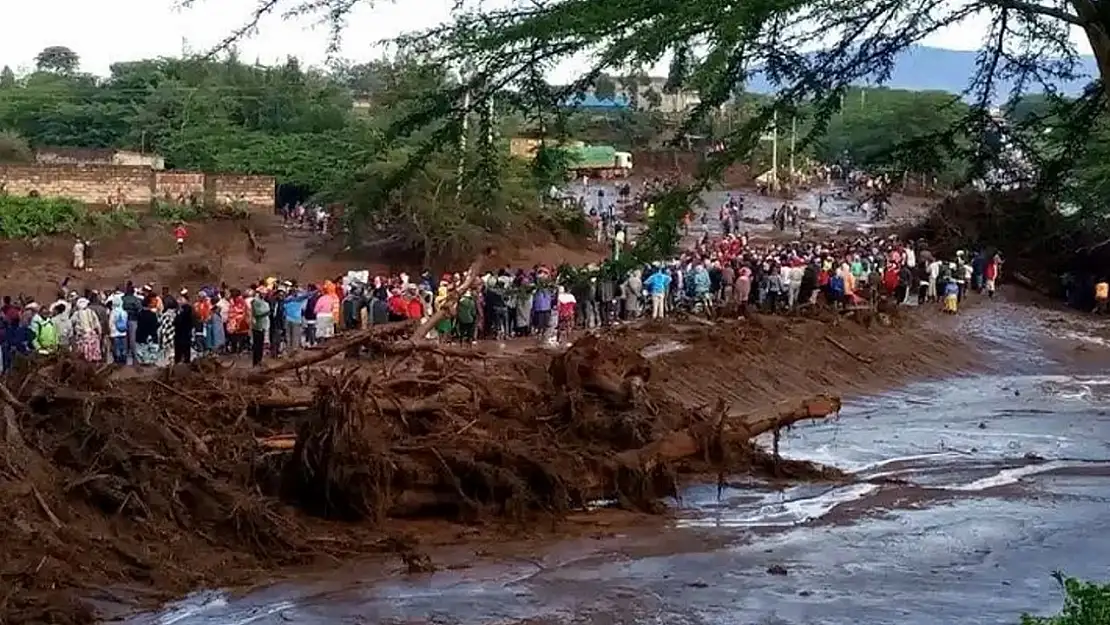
(811, 50)
(57, 59)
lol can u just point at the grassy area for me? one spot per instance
(1085, 603)
(29, 217)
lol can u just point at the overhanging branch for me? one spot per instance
(1040, 9)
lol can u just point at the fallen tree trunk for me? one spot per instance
(343, 344)
(684, 443)
(332, 348)
(470, 281)
(409, 347)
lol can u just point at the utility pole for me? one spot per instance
(793, 142)
(489, 127)
(775, 150)
(462, 142)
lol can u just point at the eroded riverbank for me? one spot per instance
(968, 493)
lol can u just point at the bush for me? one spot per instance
(28, 217)
(1084, 604)
(174, 211)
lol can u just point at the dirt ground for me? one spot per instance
(218, 251)
(137, 490)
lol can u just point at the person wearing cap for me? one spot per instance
(86, 332)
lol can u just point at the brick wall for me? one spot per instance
(92, 184)
(178, 186)
(258, 192)
(135, 186)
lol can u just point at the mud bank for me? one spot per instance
(139, 490)
(966, 494)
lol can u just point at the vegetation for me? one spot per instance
(14, 148)
(298, 125)
(812, 51)
(1084, 604)
(29, 217)
(396, 160)
(215, 116)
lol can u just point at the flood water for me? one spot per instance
(969, 493)
(837, 213)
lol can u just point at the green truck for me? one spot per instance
(601, 161)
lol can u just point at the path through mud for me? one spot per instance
(968, 493)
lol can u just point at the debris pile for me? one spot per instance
(182, 477)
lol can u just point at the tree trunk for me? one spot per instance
(1098, 35)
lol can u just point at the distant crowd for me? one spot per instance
(147, 327)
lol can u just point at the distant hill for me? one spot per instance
(922, 68)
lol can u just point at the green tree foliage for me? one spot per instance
(7, 78)
(1084, 604)
(204, 115)
(14, 149)
(302, 127)
(812, 51)
(605, 88)
(28, 217)
(58, 59)
(897, 131)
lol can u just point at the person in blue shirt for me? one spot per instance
(657, 286)
(295, 304)
(951, 296)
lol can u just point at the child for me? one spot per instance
(951, 296)
(566, 303)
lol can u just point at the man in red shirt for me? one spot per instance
(180, 233)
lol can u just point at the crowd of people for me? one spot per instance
(138, 325)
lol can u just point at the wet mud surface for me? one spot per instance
(965, 494)
(837, 214)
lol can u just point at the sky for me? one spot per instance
(103, 32)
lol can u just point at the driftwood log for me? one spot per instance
(332, 348)
(470, 281)
(684, 443)
(358, 338)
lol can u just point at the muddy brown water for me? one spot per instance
(969, 492)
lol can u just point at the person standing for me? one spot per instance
(183, 323)
(118, 326)
(79, 254)
(657, 285)
(260, 326)
(147, 346)
(131, 305)
(86, 332)
(180, 233)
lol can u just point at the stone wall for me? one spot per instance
(258, 192)
(110, 185)
(92, 184)
(179, 186)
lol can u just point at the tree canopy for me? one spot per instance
(57, 59)
(812, 51)
(210, 115)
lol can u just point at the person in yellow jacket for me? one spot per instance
(1102, 294)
